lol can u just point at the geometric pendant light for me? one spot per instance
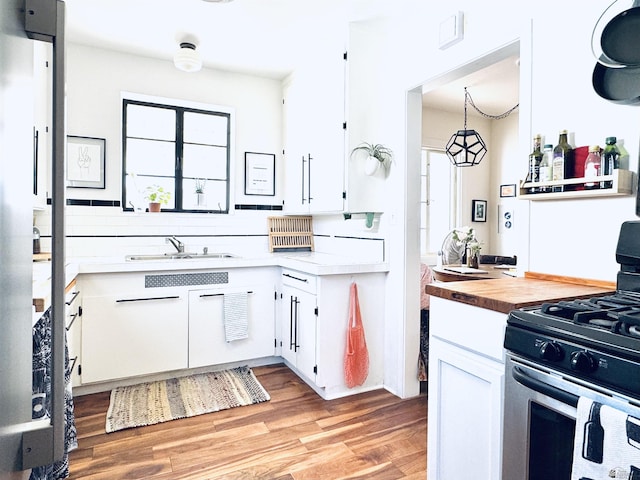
(466, 148)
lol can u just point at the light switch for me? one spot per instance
(451, 30)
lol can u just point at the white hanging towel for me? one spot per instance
(236, 322)
(606, 443)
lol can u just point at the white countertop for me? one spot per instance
(310, 262)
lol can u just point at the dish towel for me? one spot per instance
(236, 322)
(356, 355)
(606, 443)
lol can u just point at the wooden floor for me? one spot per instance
(294, 436)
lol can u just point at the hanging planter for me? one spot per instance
(377, 155)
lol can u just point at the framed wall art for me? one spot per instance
(259, 174)
(85, 162)
(479, 210)
(508, 190)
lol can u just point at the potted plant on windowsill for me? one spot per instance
(156, 196)
(377, 155)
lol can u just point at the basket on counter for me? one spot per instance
(290, 233)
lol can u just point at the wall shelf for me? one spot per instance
(622, 183)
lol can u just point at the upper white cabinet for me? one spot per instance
(42, 53)
(314, 133)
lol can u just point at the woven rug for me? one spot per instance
(156, 402)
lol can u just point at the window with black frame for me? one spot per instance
(184, 152)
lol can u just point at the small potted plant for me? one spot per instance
(199, 189)
(377, 155)
(156, 196)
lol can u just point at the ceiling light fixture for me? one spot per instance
(466, 148)
(187, 59)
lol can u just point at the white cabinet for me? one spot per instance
(298, 322)
(315, 316)
(314, 134)
(150, 322)
(466, 385)
(73, 327)
(42, 121)
(136, 333)
(207, 344)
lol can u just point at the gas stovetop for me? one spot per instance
(596, 339)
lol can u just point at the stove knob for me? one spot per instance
(551, 351)
(583, 362)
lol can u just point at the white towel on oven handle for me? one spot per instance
(236, 321)
(619, 444)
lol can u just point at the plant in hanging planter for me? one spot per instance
(377, 155)
(156, 196)
(199, 190)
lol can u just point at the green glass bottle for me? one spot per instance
(535, 158)
(563, 166)
(610, 160)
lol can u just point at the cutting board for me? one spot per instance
(42, 257)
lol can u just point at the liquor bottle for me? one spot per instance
(545, 171)
(562, 161)
(535, 158)
(610, 160)
(592, 166)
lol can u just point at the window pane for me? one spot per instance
(137, 188)
(217, 196)
(203, 161)
(151, 122)
(150, 157)
(205, 128)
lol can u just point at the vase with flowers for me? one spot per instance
(466, 236)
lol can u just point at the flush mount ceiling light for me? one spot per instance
(466, 148)
(187, 59)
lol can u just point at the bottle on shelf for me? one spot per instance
(562, 161)
(592, 166)
(535, 158)
(545, 171)
(610, 160)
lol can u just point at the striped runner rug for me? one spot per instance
(155, 402)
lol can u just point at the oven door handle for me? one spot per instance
(541, 387)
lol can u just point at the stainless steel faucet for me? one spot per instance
(176, 243)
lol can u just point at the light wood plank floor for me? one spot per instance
(294, 436)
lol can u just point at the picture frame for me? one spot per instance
(259, 174)
(479, 210)
(508, 190)
(85, 162)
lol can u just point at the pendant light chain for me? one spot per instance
(467, 95)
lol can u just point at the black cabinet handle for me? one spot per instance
(125, 300)
(204, 295)
(73, 319)
(73, 298)
(296, 278)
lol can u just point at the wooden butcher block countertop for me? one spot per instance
(506, 294)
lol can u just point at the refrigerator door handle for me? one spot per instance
(43, 444)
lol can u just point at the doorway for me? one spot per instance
(414, 147)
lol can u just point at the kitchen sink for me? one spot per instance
(178, 256)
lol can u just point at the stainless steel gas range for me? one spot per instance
(567, 358)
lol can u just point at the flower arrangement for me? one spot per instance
(464, 235)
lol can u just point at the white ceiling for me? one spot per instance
(262, 37)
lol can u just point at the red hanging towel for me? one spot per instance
(356, 356)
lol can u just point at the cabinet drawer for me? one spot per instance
(299, 280)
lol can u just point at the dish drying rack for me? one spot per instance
(293, 233)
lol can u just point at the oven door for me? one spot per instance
(540, 419)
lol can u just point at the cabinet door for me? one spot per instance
(299, 331)
(465, 414)
(207, 344)
(123, 336)
(42, 120)
(295, 147)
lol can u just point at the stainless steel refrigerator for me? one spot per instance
(27, 443)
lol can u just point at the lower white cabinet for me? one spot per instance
(127, 335)
(298, 322)
(207, 341)
(143, 323)
(466, 385)
(314, 320)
